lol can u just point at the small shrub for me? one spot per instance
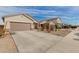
(0, 34)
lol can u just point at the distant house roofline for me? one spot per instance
(50, 19)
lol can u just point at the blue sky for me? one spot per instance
(68, 14)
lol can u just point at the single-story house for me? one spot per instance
(51, 24)
(19, 22)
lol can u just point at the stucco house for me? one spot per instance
(51, 24)
(19, 22)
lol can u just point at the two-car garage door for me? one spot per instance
(19, 26)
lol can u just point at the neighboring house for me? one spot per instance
(67, 26)
(19, 22)
(51, 24)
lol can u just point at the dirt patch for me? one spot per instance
(7, 44)
(62, 32)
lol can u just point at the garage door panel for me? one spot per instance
(16, 26)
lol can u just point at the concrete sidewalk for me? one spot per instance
(70, 43)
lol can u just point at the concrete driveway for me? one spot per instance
(31, 41)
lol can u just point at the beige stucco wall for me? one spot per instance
(51, 23)
(17, 18)
(59, 20)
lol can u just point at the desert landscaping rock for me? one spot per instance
(7, 44)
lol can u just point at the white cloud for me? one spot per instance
(66, 17)
(15, 10)
(36, 11)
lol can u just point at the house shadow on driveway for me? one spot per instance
(76, 39)
(77, 34)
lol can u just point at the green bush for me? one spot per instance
(58, 26)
